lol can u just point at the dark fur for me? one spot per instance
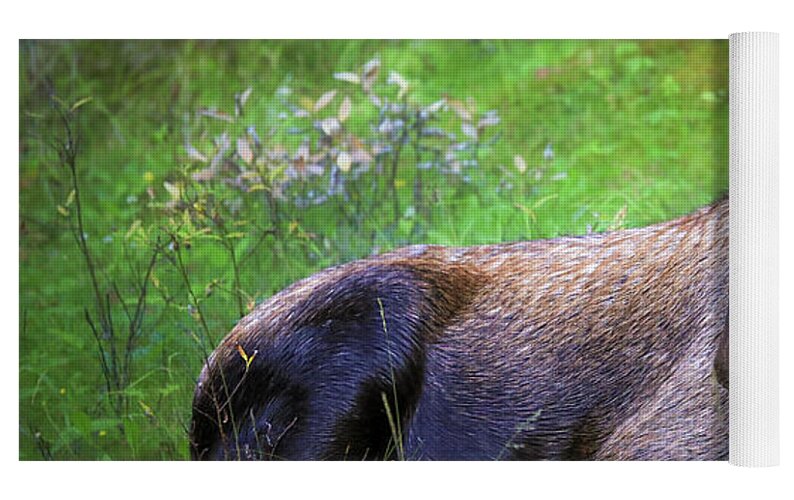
(609, 346)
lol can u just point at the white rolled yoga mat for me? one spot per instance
(754, 359)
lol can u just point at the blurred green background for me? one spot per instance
(200, 193)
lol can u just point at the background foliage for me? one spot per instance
(209, 175)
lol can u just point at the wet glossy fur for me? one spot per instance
(597, 347)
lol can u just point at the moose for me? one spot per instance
(609, 346)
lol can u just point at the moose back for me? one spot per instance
(605, 347)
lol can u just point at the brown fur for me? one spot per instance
(604, 345)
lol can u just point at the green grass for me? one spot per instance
(635, 127)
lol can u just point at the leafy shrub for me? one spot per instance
(354, 151)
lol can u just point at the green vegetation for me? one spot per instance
(206, 176)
